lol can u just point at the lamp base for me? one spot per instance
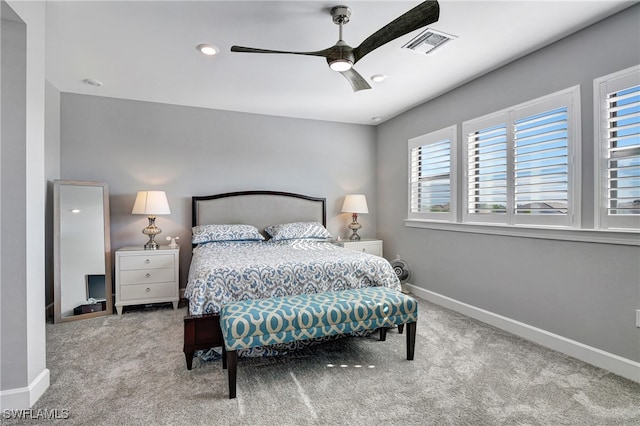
(151, 244)
(152, 230)
(354, 226)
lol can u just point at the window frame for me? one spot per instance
(602, 87)
(571, 99)
(449, 133)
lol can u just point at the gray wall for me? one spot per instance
(188, 151)
(13, 192)
(583, 291)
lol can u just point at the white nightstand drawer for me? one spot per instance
(143, 276)
(157, 261)
(150, 291)
(365, 246)
(372, 247)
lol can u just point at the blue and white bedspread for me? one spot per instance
(229, 271)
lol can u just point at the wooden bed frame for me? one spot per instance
(258, 208)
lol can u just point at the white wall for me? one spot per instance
(586, 292)
(23, 373)
(188, 151)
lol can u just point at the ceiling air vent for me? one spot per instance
(428, 41)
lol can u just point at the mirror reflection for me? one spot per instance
(82, 250)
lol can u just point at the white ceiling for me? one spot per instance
(146, 50)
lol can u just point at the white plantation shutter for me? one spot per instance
(487, 172)
(623, 145)
(432, 189)
(619, 163)
(541, 169)
(520, 167)
(431, 184)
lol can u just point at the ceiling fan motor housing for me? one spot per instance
(341, 52)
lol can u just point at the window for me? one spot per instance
(617, 128)
(486, 172)
(520, 165)
(432, 186)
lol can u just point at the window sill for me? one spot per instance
(626, 238)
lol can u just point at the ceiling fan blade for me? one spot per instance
(242, 49)
(420, 16)
(355, 79)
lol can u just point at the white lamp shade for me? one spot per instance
(151, 203)
(355, 203)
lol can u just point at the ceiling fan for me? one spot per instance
(341, 57)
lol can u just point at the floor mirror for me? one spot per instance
(82, 250)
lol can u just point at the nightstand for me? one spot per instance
(147, 276)
(367, 245)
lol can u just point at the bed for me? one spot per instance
(261, 244)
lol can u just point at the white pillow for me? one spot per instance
(298, 230)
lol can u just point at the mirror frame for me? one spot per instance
(57, 267)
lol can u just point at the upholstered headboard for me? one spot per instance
(258, 208)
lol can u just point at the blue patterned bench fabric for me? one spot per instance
(263, 322)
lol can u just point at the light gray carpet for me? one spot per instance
(131, 370)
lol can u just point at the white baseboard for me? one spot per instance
(616, 364)
(24, 398)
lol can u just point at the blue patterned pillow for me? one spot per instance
(297, 230)
(209, 233)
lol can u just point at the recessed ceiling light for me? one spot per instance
(376, 119)
(378, 78)
(207, 49)
(92, 82)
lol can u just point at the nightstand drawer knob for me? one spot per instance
(148, 290)
(364, 250)
(147, 261)
(147, 275)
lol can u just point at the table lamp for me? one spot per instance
(354, 204)
(151, 203)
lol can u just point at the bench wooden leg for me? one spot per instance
(232, 366)
(189, 358)
(383, 334)
(224, 357)
(400, 328)
(411, 340)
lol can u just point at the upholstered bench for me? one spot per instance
(264, 322)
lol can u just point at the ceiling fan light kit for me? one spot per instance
(340, 65)
(341, 57)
